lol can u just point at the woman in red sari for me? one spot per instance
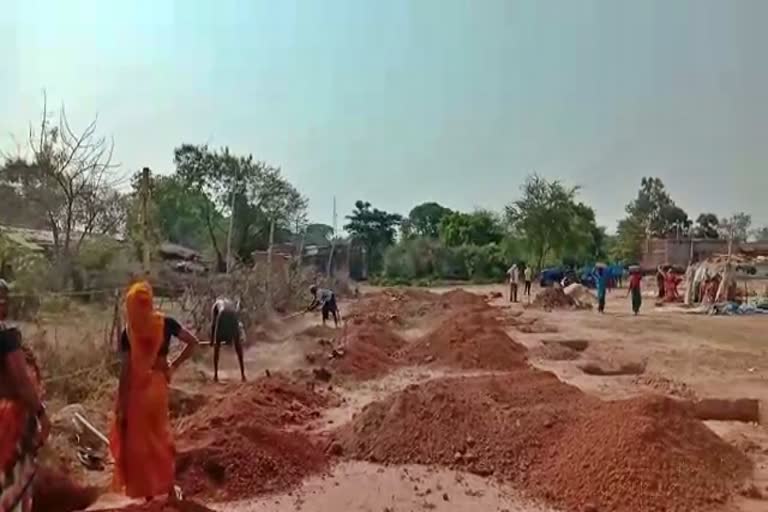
(141, 440)
(24, 424)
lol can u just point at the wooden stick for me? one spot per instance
(93, 429)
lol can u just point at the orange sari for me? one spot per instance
(143, 450)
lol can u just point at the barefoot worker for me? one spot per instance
(226, 328)
(326, 300)
(601, 283)
(141, 441)
(24, 423)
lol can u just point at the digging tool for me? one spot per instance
(294, 315)
(178, 494)
(93, 429)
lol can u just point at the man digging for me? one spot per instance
(326, 300)
(226, 328)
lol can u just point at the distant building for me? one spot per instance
(680, 252)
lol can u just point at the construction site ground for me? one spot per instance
(680, 355)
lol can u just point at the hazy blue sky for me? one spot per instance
(400, 102)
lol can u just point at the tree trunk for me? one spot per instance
(221, 264)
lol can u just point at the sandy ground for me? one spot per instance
(685, 356)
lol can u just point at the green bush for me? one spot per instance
(427, 260)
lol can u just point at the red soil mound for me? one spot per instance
(638, 455)
(397, 305)
(56, 492)
(247, 460)
(460, 297)
(469, 340)
(276, 400)
(643, 454)
(318, 331)
(489, 424)
(368, 351)
(165, 506)
(235, 447)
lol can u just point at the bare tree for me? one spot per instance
(69, 178)
(72, 180)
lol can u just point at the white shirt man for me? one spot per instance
(514, 277)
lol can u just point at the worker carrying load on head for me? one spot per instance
(226, 328)
(326, 300)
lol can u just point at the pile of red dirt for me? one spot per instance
(553, 298)
(461, 298)
(237, 445)
(637, 455)
(642, 454)
(487, 425)
(245, 460)
(368, 351)
(164, 506)
(56, 492)
(470, 340)
(318, 331)
(398, 305)
(275, 400)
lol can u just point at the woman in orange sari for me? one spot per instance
(141, 440)
(24, 424)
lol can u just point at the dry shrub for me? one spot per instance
(75, 355)
(289, 290)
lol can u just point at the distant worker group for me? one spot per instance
(603, 277)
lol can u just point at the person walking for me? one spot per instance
(660, 278)
(528, 276)
(635, 279)
(226, 328)
(601, 281)
(514, 276)
(24, 422)
(141, 439)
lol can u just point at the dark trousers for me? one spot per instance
(527, 287)
(512, 292)
(601, 303)
(330, 308)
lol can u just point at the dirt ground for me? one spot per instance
(683, 356)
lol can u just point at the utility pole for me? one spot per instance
(268, 282)
(229, 231)
(329, 267)
(145, 219)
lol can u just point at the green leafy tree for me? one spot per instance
(374, 229)
(424, 219)
(551, 222)
(651, 214)
(706, 226)
(253, 194)
(476, 228)
(318, 234)
(629, 240)
(175, 213)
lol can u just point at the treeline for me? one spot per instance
(65, 182)
(434, 243)
(546, 226)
